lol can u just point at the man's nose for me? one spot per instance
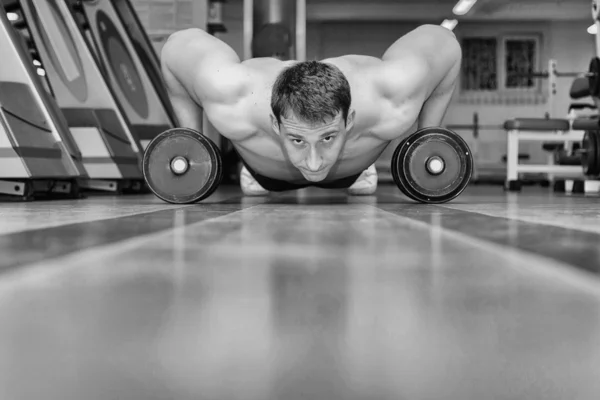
(314, 160)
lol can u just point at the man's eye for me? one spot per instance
(298, 141)
(328, 139)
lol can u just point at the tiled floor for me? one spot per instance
(304, 295)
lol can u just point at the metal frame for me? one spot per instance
(300, 44)
(513, 168)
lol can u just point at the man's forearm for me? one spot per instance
(434, 110)
(189, 114)
(435, 107)
(187, 111)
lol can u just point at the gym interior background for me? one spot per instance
(108, 292)
(558, 29)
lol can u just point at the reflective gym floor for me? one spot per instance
(302, 295)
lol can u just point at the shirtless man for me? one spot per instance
(321, 123)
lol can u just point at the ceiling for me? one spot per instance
(449, 2)
(438, 10)
(434, 9)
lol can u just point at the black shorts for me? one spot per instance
(276, 185)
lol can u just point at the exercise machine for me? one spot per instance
(37, 155)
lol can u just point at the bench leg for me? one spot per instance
(512, 161)
(550, 175)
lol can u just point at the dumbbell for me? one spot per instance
(432, 165)
(182, 166)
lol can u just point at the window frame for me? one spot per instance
(503, 73)
(498, 44)
(502, 96)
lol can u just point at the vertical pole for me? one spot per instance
(475, 149)
(596, 18)
(248, 28)
(300, 30)
(512, 157)
(551, 86)
(597, 38)
(200, 14)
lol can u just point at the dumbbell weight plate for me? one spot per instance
(594, 77)
(590, 155)
(219, 167)
(182, 166)
(433, 165)
(395, 170)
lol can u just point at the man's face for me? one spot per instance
(313, 148)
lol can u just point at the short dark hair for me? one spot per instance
(312, 91)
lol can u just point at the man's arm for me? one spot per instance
(436, 55)
(200, 71)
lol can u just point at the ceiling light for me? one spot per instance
(463, 6)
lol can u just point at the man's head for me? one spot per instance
(311, 114)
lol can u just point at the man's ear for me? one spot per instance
(275, 124)
(350, 120)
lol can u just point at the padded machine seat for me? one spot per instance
(580, 88)
(586, 124)
(537, 124)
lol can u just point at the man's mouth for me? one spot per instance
(313, 175)
(309, 172)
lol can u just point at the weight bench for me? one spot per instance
(537, 130)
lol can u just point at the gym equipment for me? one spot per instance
(275, 28)
(433, 165)
(590, 159)
(552, 71)
(536, 130)
(594, 77)
(563, 157)
(596, 17)
(138, 97)
(484, 169)
(37, 155)
(145, 51)
(580, 88)
(110, 157)
(214, 21)
(272, 40)
(182, 166)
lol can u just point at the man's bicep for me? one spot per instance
(426, 41)
(205, 66)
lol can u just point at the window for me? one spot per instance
(480, 62)
(500, 65)
(520, 60)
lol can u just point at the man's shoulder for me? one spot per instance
(353, 61)
(407, 75)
